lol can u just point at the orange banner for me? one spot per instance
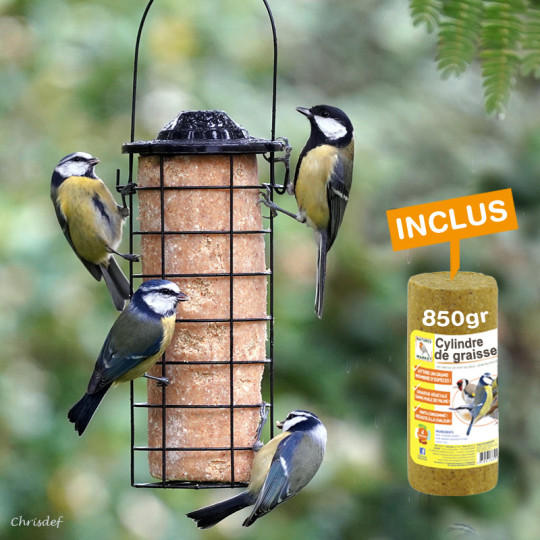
(436, 397)
(435, 417)
(433, 376)
(452, 220)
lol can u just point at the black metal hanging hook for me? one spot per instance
(271, 159)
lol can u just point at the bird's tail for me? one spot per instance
(117, 283)
(322, 242)
(211, 515)
(81, 413)
(470, 425)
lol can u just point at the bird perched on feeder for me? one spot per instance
(281, 468)
(137, 339)
(322, 182)
(91, 220)
(483, 399)
(467, 390)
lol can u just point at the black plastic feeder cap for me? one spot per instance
(203, 132)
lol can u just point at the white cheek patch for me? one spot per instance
(159, 303)
(73, 168)
(331, 128)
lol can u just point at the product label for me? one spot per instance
(453, 379)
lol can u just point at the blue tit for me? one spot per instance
(467, 390)
(137, 339)
(483, 399)
(281, 468)
(322, 182)
(91, 220)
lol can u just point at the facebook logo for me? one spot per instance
(422, 451)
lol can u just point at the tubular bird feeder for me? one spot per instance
(200, 225)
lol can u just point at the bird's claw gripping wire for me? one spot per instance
(266, 200)
(258, 444)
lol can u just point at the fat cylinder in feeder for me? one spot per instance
(202, 228)
(452, 398)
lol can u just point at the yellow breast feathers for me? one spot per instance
(169, 325)
(77, 192)
(310, 188)
(90, 230)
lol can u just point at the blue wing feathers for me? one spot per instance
(276, 486)
(124, 349)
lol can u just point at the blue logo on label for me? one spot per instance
(422, 451)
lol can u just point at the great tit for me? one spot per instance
(467, 390)
(91, 220)
(281, 468)
(483, 399)
(322, 182)
(137, 339)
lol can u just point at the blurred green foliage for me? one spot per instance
(504, 35)
(65, 85)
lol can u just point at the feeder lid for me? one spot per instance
(202, 125)
(203, 132)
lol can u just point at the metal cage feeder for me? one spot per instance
(200, 226)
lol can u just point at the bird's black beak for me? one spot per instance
(305, 111)
(279, 424)
(182, 297)
(93, 161)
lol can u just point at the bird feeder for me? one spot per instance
(200, 225)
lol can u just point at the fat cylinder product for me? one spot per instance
(452, 397)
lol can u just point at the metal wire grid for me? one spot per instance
(231, 320)
(269, 233)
